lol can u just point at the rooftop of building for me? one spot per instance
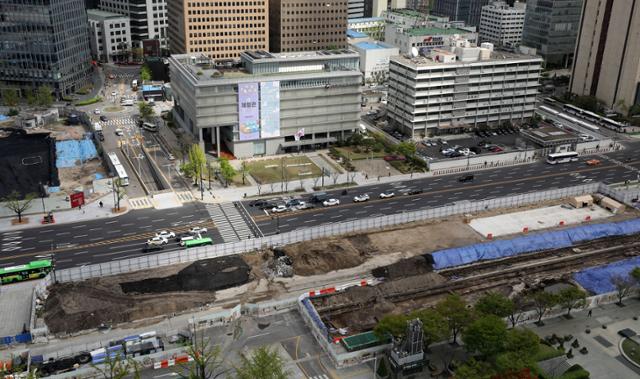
(97, 13)
(356, 34)
(496, 56)
(408, 13)
(368, 45)
(364, 19)
(548, 134)
(433, 31)
(255, 55)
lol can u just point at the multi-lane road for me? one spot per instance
(123, 237)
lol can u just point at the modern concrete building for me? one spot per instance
(307, 25)
(460, 10)
(372, 27)
(220, 30)
(551, 27)
(407, 18)
(374, 59)
(461, 88)
(110, 35)
(44, 43)
(359, 8)
(425, 38)
(273, 103)
(148, 18)
(501, 24)
(607, 63)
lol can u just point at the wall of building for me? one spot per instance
(374, 61)
(110, 37)
(148, 18)
(405, 39)
(502, 25)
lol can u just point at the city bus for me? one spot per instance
(119, 169)
(551, 101)
(566, 157)
(197, 242)
(31, 270)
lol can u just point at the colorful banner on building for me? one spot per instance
(270, 109)
(248, 111)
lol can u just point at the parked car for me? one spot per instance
(387, 194)
(103, 118)
(466, 178)
(361, 198)
(331, 202)
(279, 208)
(119, 132)
(96, 111)
(198, 230)
(157, 241)
(185, 237)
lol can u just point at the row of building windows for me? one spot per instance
(230, 40)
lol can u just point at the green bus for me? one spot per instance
(197, 242)
(31, 270)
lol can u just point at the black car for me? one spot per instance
(475, 149)
(466, 178)
(257, 203)
(415, 192)
(103, 118)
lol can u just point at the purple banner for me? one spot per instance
(248, 111)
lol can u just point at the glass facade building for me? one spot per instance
(44, 42)
(551, 26)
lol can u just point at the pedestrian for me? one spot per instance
(589, 314)
(366, 176)
(101, 204)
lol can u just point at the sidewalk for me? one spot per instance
(90, 211)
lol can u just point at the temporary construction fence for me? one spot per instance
(320, 231)
(527, 244)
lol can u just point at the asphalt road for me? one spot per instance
(444, 190)
(102, 240)
(124, 236)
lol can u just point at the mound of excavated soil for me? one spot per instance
(406, 267)
(325, 255)
(206, 275)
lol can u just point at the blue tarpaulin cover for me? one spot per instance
(70, 153)
(597, 280)
(526, 244)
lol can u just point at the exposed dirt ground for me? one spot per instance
(74, 177)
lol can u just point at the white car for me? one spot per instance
(166, 234)
(387, 195)
(171, 157)
(114, 94)
(119, 132)
(96, 111)
(360, 198)
(331, 202)
(279, 209)
(198, 230)
(157, 241)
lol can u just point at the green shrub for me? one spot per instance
(576, 372)
(547, 352)
(94, 100)
(13, 112)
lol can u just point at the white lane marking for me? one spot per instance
(81, 236)
(111, 222)
(62, 234)
(77, 227)
(94, 229)
(81, 252)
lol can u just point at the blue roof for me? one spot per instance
(355, 34)
(150, 87)
(368, 45)
(364, 19)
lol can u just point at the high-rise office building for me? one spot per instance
(220, 30)
(607, 63)
(44, 43)
(148, 18)
(110, 35)
(301, 25)
(552, 28)
(502, 24)
(460, 10)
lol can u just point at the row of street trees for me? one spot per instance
(198, 167)
(42, 97)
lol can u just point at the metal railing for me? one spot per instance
(320, 231)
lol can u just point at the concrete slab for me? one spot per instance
(15, 302)
(535, 219)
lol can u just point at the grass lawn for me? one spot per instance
(295, 168)
(632, 350)
(347, 151)
(547, 352)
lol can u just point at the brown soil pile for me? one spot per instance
(406, 267)
(325, 255)
(83, 175)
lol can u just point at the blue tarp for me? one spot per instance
(598, 279)
(3, 117)
(99, 176)
(551, 240)
(70, 153)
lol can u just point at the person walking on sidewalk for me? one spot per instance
(589, 314)
(101, 204)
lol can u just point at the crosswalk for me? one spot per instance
(140, 203)
(230, 223)
(185, 196)
(119, 122)
(319, 377)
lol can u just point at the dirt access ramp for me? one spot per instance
(72, 307)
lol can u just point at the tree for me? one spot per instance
(454, 310)
(473, 369)
(395, 325)
(407, 149)
(244, 169)
(434, 326)
(118, 192)
(264, 363)
(10, 97)
(146, 110)
(521, 346)
(30, 97)
(117, 367)
(18, 204)
(335, 175)
(623, 284)
(145, 73)
(486, 335)
(493, 303)
(206, 361)
(572, 297)
(518, 302)
(44, 97)
(542, 302)
(226, 170)
(197, 160)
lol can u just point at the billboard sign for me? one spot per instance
(270, 109)
(76, 199)
(248, 111)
